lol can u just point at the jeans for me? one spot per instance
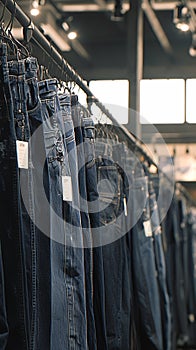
(127, 164)
(54, 151)
(3, 318)
(161, 269)
(75, 273)
(78, 116)
(110, 188)
(174, 274)
(12, 234)
(145, 284)
(41, 248)
(191, 232)
(179, 291)
(184, 246)
(192, 258)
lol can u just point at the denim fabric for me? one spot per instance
(184, 246)
(54, 151)
(77, 114)
(73, 164)
(168, 233)
(3, 315)
(19, 94)
(110, 188)
(41, 335)
(191, 226)
(75, 273)
(146, 289)
(192, 273)
(179, 292)
(91, 174)
(78, 117)
(12, 234)
(161, 269)
(128, 336)
(98, 267)
(67, 128)
(171, 229)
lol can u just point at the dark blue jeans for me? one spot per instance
(18, 85)
(179, 292)
(3, 317)
(170, 227)
(53, 144)
(183, 210)
(53, 139)
(191, 232)
(126, 162)
(41, 248)
(110, 189)
(161, 269)
(12, 234)
(145, 285)
(78, 115)
(191, 227)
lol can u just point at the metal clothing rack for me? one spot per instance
(66, 70)
(36, 36)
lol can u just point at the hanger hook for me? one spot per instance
(49, 64)
(11, 22)
(3, 13)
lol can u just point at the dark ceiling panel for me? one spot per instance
(106, 41)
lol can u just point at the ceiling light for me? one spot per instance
(35, 12)
(118, 11)
(72, 35)
(184, 27)
(181, 18)
(65, 26)
(192, 50)
(35, 4)
(35, 8)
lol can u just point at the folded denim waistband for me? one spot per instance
(48, 85)
(31, 64)
(16, 67)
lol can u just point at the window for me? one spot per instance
(190, 100)
(114, 94)
(162, 101)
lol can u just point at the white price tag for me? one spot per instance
(147, 228)
(67, 188)
(125, 206)
(22, 154)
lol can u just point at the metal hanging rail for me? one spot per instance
(67, 71)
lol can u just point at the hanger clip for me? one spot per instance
(28, 32)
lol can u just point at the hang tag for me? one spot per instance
(191, 318)
(125, 206)
(22, 154)
(147, 228)
(67, 188)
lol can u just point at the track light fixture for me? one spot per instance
(35, 8)
(182, 17)
(65, 23)
(192, 50)
(118, 13)
(72, 35)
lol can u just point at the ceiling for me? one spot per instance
(102, 48)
